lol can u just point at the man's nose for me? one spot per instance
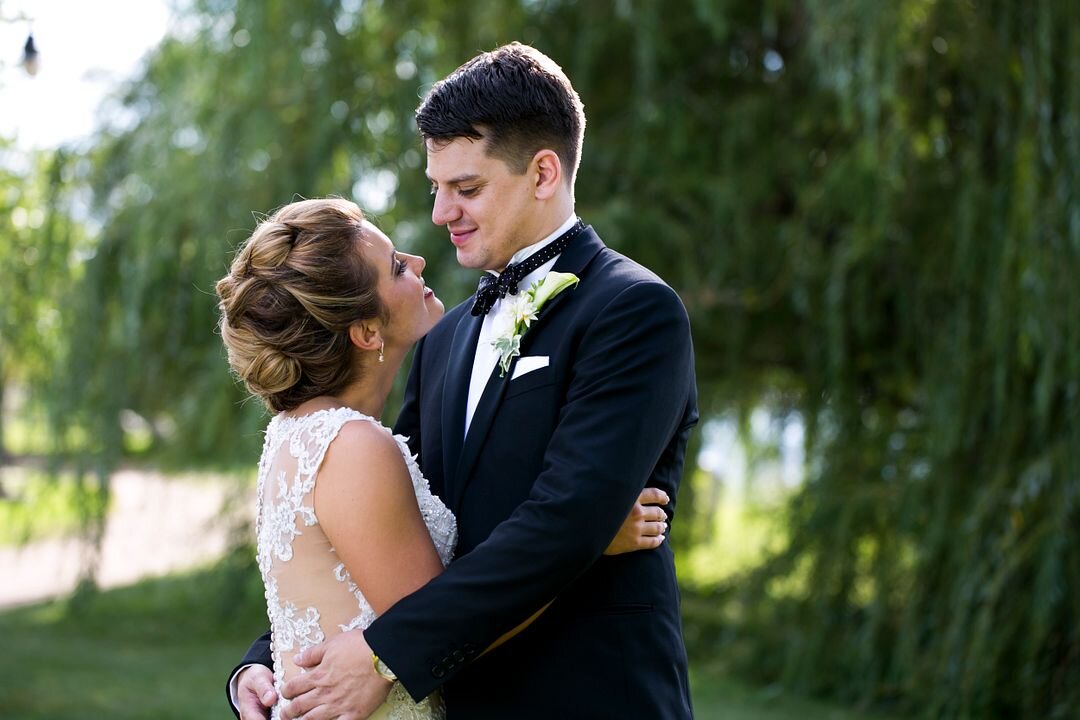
(443, 211)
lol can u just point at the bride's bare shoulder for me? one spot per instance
(364, 458)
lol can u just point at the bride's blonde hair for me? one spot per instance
(294, 289)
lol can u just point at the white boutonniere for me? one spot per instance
(521, 311)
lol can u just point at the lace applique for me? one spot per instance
(284, 505)
(367, 615)
(297, 631)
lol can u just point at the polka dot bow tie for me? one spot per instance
(492, 288)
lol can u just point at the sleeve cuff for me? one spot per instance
(233, 687)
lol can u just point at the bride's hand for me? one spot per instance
(255, 693)
(645, 526)
(340, 681)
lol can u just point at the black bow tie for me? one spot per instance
(493, 288)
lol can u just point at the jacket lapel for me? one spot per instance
(456, 393)
(574, 260)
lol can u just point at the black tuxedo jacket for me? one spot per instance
(553, 461)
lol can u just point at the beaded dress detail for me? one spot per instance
(309, 594)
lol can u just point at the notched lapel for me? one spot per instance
(478, 430)
(456, 393)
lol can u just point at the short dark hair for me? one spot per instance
(517, 99)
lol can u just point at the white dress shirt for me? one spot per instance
(487, 357)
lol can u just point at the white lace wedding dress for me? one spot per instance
(309, 594)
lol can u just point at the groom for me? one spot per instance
(539, 463)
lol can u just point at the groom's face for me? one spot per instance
(489, 210)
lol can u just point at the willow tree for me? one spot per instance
(39, 239)
(899, 243)
(869, 208)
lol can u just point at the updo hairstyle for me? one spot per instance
(294, 289)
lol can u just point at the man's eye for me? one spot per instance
(468, 192)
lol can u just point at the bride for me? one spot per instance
(318, 311)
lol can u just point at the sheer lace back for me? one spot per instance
(309, 594)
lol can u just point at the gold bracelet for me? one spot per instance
(382, 669)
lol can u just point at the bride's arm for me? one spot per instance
(366, 505)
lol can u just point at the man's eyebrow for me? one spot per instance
(458, 179)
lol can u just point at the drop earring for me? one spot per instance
(381, 346)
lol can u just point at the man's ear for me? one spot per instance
(547, 169)
(365, 335)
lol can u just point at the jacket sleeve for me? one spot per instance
(629, 389)
(257, 654)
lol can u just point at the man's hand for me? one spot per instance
(255, 693)
(645, 526)
(340, 682)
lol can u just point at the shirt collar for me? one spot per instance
(536, 247)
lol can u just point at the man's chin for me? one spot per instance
(468, 261)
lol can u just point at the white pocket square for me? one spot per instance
(528, 364)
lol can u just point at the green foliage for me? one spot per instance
(870, 210)
(35, 506)
(38, 242)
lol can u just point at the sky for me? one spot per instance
(87, 48)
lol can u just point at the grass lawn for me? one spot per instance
(161, 650)
(721, 698)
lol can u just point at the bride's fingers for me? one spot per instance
(652, 529)
(653, 496)
(650, 542)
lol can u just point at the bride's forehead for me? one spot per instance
(374, 237)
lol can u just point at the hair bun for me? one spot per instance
(295, 288)
(270, 372)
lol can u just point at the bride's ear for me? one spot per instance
(366, 336)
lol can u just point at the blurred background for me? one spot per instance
(869, 209)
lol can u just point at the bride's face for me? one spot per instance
(411, 305)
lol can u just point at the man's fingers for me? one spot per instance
(297, 686)
(252, 707)
(653, 496)
(310, 657)
(298, 707)
(255, 692)
(264, 690)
